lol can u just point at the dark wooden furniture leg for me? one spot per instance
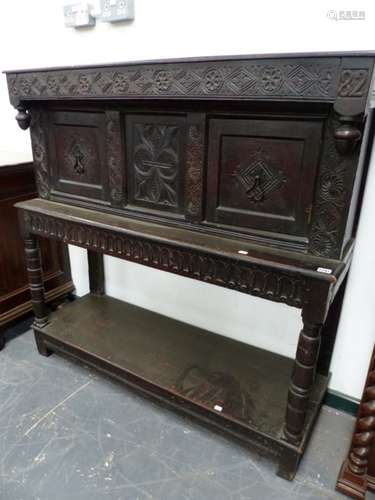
(96, 272)
(352, 479)
(301, 382)
(35, 275)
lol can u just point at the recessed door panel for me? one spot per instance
(261, 174)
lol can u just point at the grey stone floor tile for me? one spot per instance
(68, 432)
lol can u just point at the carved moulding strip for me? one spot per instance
(273, 285)
(114, 158)
(333, 186)
(39, 147)
(194, 167)
(310, 78)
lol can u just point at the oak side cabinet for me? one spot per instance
(243, 172)
(17, 183)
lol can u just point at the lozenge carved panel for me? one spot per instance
(76, 142)
(261, 174)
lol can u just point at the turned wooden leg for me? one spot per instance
(34, 271)
(302, 379)
(96, 272)
(352, 479)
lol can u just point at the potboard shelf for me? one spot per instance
(230, 381)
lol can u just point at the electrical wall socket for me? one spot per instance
(116, 10)
(79, 15)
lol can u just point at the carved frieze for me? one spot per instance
(273, 285)
(285, 78)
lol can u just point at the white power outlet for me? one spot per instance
(78, 15)
(116, 10)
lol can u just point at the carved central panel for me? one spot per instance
(155, 164)
(154, 149)
(260, 177)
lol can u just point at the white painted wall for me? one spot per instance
(32, 34)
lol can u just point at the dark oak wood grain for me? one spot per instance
(239, 172)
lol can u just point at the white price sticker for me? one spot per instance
(324, 270)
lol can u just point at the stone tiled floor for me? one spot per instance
(67, 432)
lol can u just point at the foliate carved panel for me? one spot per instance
(194, 170)
(39, 148)
(247, 278)
(257, 78)
(155, 164)
(155, 155)
(114, 157)
(333, 186)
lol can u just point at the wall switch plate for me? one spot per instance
(116, 10)
(78, 15)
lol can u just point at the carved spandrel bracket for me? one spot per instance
(23, 117)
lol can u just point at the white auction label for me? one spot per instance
(324, 270)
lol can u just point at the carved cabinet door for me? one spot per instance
(76, 155)
(261, 174)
